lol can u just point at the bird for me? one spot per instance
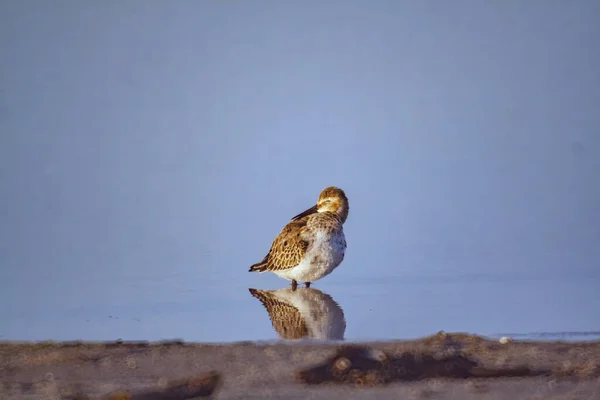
(312, 244)
(303, 313)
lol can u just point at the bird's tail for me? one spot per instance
(261, 266)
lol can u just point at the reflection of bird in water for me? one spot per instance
(304, 313)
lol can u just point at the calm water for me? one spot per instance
(150, 152)
(212, 302)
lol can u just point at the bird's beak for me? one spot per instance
(311, 210)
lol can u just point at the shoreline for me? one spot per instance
(444, 366)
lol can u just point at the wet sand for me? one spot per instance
(443, 366)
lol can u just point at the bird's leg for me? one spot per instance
(307, 284)
(294, 284)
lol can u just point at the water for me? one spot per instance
(186, 303)
(150, 153)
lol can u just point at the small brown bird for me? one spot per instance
(312, 244)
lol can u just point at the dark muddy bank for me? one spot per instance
(443, 366)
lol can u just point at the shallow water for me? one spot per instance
(191, 306)
(149, 154)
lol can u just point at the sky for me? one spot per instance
(144, 139)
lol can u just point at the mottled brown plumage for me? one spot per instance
(323, 223)
(289, 246)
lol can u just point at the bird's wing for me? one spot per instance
(289, 246)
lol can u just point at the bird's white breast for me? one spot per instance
(324, 254)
